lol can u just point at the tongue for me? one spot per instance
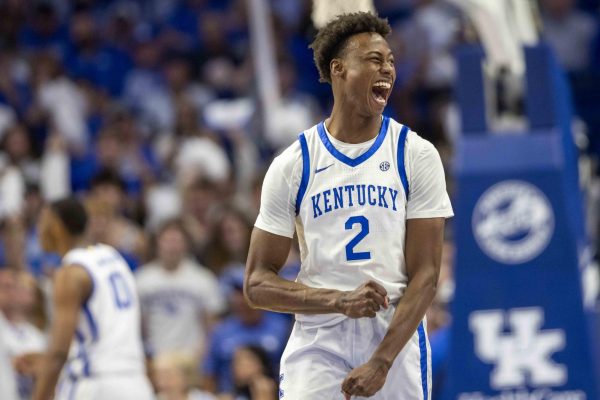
(379, 94)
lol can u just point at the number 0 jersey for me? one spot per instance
(349, 204)
(108, 335)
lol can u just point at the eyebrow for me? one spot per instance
(378, 53)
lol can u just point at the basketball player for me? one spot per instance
(95, 335)
(367, 199)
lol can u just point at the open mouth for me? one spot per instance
(381, 90)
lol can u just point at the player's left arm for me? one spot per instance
(424, 239)
(72, 287)
(427, 208)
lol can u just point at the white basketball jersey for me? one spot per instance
(108, 336)
(351, 213)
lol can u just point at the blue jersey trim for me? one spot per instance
(424, 368)
(305, 171)
(353, 162)
(72, 389)
(400, 159)
(91, 322)
(81, 354)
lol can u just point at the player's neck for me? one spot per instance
(70, 243)
(348, 126)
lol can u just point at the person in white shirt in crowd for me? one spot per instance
(174, 377)
(20, 335)
(8, 378)
(180, 298)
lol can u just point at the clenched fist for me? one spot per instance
(364, 301)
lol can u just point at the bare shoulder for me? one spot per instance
(73, 281)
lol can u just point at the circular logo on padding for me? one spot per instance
(513, 222)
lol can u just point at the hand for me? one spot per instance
(29, 363)
(364, 301)
(365, 380)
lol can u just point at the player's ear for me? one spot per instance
(336, 68)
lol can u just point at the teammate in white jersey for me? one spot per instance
(95, 337)
(367, 199)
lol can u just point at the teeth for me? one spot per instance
(385, 85)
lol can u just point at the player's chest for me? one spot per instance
(337, 189)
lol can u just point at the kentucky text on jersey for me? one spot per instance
(354, 196)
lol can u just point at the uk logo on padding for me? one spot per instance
(524, 355)
(513, 222)
(384, 166)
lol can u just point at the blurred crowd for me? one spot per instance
(148, 110)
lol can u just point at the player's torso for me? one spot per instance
(351, 221)
(108, 337)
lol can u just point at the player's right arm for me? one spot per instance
(270, 245)
(264, 288)
(72, 287)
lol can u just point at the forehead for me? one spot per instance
(365, 42)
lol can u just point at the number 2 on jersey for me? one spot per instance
(352, 255)
(120, 290)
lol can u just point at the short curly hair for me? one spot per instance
(332, 38)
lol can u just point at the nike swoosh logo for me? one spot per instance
(322, 169)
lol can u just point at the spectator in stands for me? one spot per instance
(20, 336)
(12, 188)
(136, 162)
(295, 111)
(177, 74)
(228, 247)
(191, 150)
(16, 145)
(8, 388)
(570, 32)
(253, 374)
(44, 30)
(143, 86)
(174, 378)
(200, 197)
(15, 90)
(245, 326)
(430, 36)
(58, 103)
(180, 298)
(108, 224)
(89, 58)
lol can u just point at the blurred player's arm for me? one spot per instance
(265, 289)
(72, 287)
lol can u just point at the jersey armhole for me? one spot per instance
(89, 273)
(93, 326)
(305, 171)
(400, 159)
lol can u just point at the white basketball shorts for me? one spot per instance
(317, 359)
(106, 387)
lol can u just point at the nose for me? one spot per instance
(387, 68)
